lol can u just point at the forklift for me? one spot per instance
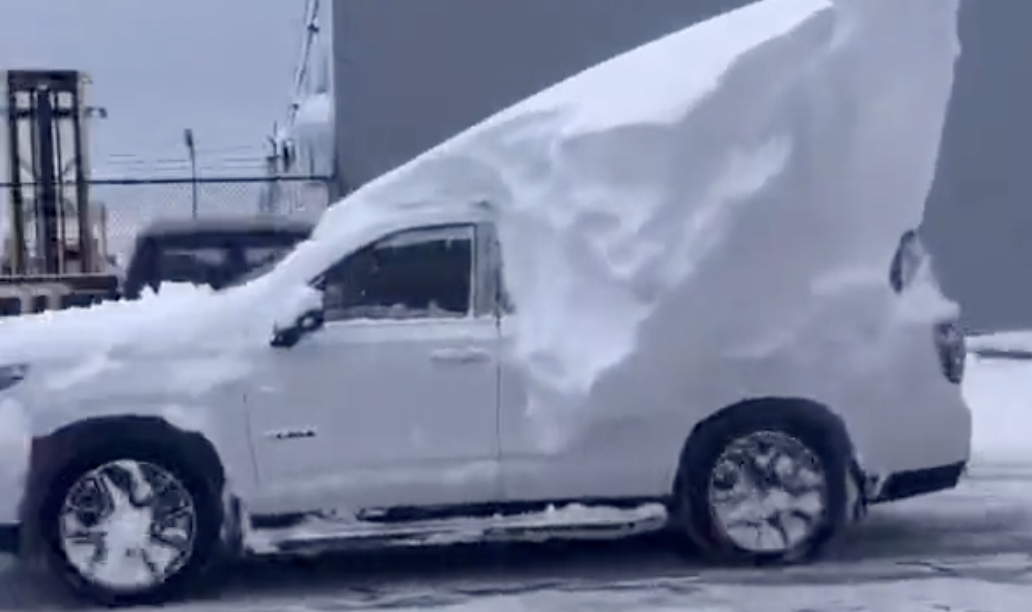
(53, 255)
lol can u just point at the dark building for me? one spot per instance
(409, 74)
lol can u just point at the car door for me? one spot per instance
(394, 401)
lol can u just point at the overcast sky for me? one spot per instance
(222, 67)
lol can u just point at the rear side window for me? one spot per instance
(424, 273)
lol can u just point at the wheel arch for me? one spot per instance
(794, 407)
(797, 414)
(50, 452)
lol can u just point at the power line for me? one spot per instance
(235, 149)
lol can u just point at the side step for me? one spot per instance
(573, 522)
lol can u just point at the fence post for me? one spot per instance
(188, 138)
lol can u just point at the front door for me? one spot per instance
(394, 401)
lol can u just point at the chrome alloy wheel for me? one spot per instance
(127, 526)
(768, 492)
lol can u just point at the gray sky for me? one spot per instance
(222, 67)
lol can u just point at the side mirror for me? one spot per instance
(308, 322)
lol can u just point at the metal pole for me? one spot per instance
(188, 137)
(19, 247)
(88, 254)
(47, 206)
(193, 184)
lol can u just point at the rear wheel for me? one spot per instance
(764, 486)
(130, 527)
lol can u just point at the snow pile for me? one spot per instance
(1002, 342)
(998, 388)
(714, 210)
(999, 392)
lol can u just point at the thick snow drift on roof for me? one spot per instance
(715, 210)
(732, 192)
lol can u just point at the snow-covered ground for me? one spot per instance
(965, 550)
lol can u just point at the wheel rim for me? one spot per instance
(127, 525)
(768, 492)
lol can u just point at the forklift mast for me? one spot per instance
(53, 246)
(47, 173)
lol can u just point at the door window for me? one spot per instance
(424, 273)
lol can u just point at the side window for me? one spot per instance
(423, 273)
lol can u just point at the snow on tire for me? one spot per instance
(765, 485)
(129, 523)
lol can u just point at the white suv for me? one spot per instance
(388, 415)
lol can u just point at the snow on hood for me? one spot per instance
(182, 318)
(730, 194)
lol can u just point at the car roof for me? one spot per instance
(226, 225)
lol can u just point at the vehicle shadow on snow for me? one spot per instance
(889, 545)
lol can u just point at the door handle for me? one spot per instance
(460, 355)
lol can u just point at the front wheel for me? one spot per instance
(126, 528)
(764, 488)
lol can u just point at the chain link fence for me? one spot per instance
(121, 207)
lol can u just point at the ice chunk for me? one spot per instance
(717, 208)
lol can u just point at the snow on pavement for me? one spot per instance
(967, 549)
(1002, 387)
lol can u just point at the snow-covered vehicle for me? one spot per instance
(656, 352)
(383, 418)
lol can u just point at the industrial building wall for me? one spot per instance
(409, 74)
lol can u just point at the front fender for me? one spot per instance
(203, 395)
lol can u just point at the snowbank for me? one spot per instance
(999, 392)
(1002, 342)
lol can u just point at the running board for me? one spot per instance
(573, 522)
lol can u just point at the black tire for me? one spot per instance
(208, 516)
(694, 513)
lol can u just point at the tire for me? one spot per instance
(128, 562)
(723, 493)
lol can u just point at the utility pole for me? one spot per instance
(188, 137)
